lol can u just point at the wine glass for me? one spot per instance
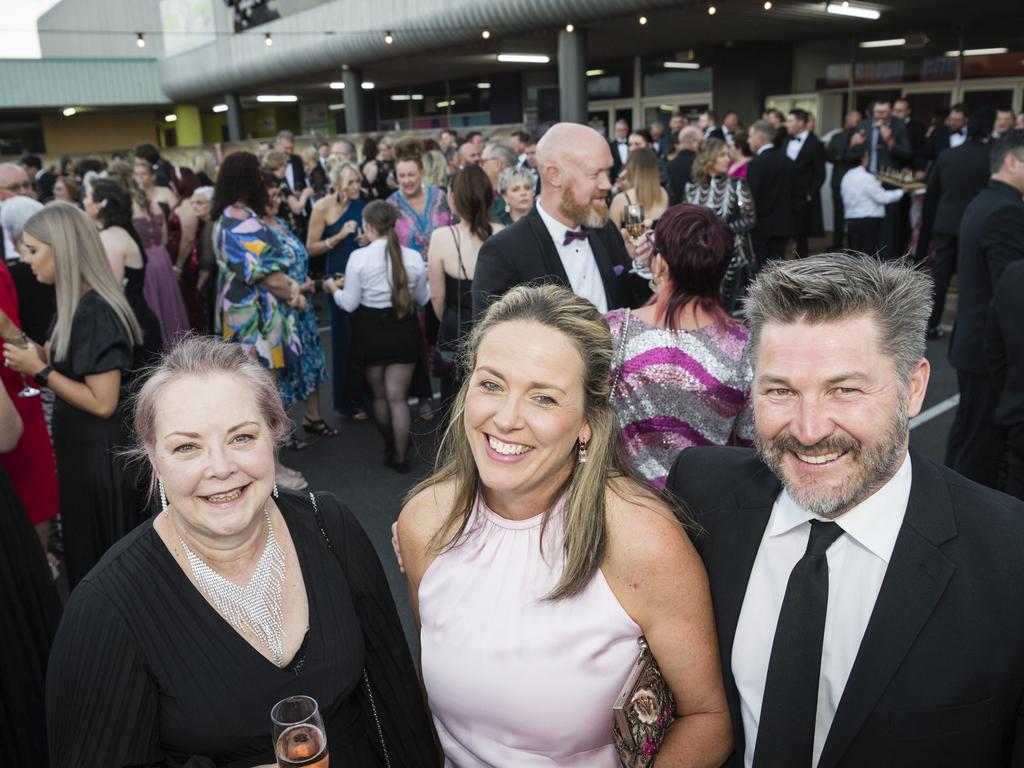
(299, 737)
(633, 220)
(12, 334)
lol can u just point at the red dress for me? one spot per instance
(30, 465)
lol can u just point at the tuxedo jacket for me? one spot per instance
(525, 253)
(956, 177)
(679, 174)
(939, 677)
(617, 163)
(770, 177)
(933, 147)
(299, 173)
(808, 176)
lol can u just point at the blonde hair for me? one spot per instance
(274, 159)
(435, 169)
(80, 262)
(585, 529)
(642, 172)
(707, 154)
(121, 171)
(337, 167)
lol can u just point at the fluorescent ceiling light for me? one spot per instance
(523, 58)
(852, 10)
(483, 86)
(273, 99)
(978, 52)
(443, 104)
(220, 107)
(895, 42)
(170, 118)
(367, 85)
(335, 107)
(681, 65)
(337, 85)
(595, 72)
(407, 97)
(69, 112)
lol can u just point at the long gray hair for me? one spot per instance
(80, 262)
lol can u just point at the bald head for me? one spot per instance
(566, 144)
(573, 161)
(14, 181)
(690, 137)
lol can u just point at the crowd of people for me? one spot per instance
(655, 404)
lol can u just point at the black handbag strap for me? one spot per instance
(366, 677)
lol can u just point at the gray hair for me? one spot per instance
(833, 287)
(763, 128)
(510, 176)
(287, 135)
(206, 192)
(502, 152)
(16, 211)
(690, 136)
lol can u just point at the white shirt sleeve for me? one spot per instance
(881, 195)
(417, 274)
(347, 297)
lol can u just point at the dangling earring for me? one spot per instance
(583, 453)
(275, 489)
(508, 208)
(163, 496)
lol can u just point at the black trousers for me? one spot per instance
(838, 216)
(767, 249)
(864, 235)
(943, 269)
(1015, 461)
(976, 442)
(802, 225)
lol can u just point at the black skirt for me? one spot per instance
(381, 338)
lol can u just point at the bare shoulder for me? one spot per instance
(420, 520)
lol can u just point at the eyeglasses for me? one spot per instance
(17, 185)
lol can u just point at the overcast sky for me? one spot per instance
(18, 38)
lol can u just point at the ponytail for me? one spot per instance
(382, 217)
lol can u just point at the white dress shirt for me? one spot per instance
(622, 146)
(795, 144)
(864, 197)
(857, 562)
(958, 138)
(578, 262)
(368, 278)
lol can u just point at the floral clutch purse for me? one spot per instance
(644, 710)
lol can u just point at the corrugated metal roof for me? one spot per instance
(41, 83)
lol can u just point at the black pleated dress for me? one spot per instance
(29, 611)
(144, 672)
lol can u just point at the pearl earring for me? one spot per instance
(163, 496)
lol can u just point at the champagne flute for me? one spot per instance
(12, 334)
(633, 220)
(299, 737)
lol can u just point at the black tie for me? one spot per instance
(785, 733)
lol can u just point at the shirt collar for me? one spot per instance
(874, 523)
(802, 136)
(765, 148)
(555, 228)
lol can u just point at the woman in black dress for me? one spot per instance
(159, 662)
(84, 362)
(29, 611)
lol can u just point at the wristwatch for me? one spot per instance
(43, 375)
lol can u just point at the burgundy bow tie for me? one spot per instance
(574, 234)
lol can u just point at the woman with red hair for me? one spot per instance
(680, 375)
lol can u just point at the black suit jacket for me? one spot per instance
(770, 177)
(900, 154)
(991, 236)
(715, 133)
(835, 153)
(939, 676)
(679, 174)
(1004, 350)
(616, 162)
(44, 186)
(299, 173)
(933, 147)
(808, 176)
(956, 177)
(525, 253)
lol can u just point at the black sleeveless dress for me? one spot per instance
(152, 343)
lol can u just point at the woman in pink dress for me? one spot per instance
(537, 557)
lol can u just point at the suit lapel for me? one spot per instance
(549, 254)
(604, 266)
(915, 580)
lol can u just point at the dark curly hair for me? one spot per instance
(115, 207)
(240, 180)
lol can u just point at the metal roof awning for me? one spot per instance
(47, 83)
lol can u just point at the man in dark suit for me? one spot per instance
(681, 166)
(42, 180)
(949, 135)
(294, 173)
(867, 600)
(1004, 352)
(916, 130)
(808, 156)
(991, 237)
(835, 153)
(770, 177)
(708, 123)
(956, 177)
(619, 146)
(567, 238)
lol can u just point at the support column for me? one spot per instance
(188, 126)
(572, 78)
(355, 117)
(235, 130)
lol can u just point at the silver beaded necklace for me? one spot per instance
(257, 605)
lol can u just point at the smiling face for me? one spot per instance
(214, 453)
(583, 175)
(525, 412)
(410, 177)
(830, 411)
(39, 256)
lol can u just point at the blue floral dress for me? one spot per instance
(299, 379)
(247, 313)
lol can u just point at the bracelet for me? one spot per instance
(43, 375)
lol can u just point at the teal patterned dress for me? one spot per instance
(299, 379)
(248, 313)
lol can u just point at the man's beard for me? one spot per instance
(873, 466)
(592, 214)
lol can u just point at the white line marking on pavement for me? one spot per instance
(936, 410)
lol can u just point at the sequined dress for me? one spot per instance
(675, 389)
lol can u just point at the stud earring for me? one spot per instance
(583, 453)
(163, 496)
(275, 489)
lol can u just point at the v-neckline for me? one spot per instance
(196, 595)
(421, 218)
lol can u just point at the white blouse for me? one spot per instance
(368, 278)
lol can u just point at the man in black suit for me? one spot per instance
(956, 177)
(708, 123)
(835, 153)
(949, 135)
(770, 177)
(619, 146)
(567, 238)
(1004, 352)
(294, 172)
(42, 180)
(916, 130)
(991, 237)
(681, 166)
(808, 156)
(867, 600)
